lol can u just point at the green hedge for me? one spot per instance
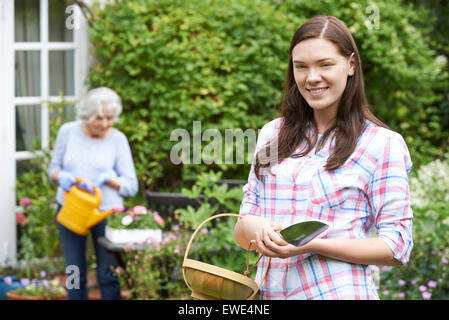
(224, 62)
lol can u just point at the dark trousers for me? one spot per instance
(74, 250)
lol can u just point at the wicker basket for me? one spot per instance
(209, 282)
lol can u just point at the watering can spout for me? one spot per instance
(97, 216)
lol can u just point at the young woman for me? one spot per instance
(327, 158)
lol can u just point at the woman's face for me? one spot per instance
(321, 72)
(99, 127)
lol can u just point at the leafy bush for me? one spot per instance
(223, 62)
(424, 277)
(174, 62)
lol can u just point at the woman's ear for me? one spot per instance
(351, 61)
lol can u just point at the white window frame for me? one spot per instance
(8, 48)
(45, 47)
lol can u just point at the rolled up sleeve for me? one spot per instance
(389, 196)
(251, 197)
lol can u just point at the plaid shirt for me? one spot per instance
(369, 190)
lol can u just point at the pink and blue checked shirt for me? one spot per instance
(369, 190)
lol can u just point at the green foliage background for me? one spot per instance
(224, 63)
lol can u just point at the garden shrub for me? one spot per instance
(223, 62)
(174, 62)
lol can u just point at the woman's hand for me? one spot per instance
(65, 179)
(271, 244)
(247, 228)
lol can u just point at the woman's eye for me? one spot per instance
(326, 65)
(299, 67)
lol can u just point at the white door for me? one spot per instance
(43, 52)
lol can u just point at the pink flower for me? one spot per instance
(158, 219)
(204, 231)
(444, 260)
(414, 281)
(25, 201)
(422, 288)
(20, 217)
(400, 295)
(135, 218)
(426, 295)
(386, 292)
(140, 210)
(402, 282)
(432, 284)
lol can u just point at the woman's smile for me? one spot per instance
(317, 92)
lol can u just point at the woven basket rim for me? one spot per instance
(220, 272)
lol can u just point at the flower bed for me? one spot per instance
(136, 225)
(38, 289)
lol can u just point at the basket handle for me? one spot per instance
(196, 232)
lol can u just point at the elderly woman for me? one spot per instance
(92, 149)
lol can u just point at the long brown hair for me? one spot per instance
(297, 115)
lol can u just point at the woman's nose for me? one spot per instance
(313, 75)
(104, 122)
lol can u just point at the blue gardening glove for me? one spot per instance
(84, 185)
(66, 180)
(100, 179)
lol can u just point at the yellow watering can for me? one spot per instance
(80, 210)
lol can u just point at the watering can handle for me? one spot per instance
(196, 232)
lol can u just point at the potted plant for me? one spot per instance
(38, 289)
(136, 225)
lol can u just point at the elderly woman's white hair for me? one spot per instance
(95, 100)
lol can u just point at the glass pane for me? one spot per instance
(61, 113)
(28, 127)
(28, 73)
(26, 21)
(61, 72)
(23, 166)
(61, 21)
